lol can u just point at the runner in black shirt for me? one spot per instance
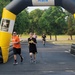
(44, 39)
(32, 47)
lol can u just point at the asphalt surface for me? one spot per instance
(51, 60)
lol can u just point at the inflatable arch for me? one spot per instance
(14, 8)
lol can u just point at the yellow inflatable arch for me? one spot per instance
(14, 8)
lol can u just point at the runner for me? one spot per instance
(44, 39)
(32, 48)
(16, 47)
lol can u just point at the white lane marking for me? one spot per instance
(47, 71)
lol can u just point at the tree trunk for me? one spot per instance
(55, 37)
(50, 37)
(71, 37)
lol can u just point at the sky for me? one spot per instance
(36, 7)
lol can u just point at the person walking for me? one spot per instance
(44, 39)
(16, 47)
(32, 48)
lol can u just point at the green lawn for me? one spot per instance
(62, 39)
(63, 42)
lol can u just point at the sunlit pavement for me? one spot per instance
(51, 60)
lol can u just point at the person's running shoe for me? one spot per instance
(35, 61)
(31, 60)
(44, 44)
(15, 63)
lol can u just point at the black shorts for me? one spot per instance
(44, 39)
(33, 51)
(17, 51)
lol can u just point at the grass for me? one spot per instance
(61, 39)
(25, 36)
(64, 42)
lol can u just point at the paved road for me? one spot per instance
(51, 60)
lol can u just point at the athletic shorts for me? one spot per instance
(33, 51)
(44, 39)
(17, 51)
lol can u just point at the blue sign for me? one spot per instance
(42, 0)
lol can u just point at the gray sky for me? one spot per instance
(36, 7)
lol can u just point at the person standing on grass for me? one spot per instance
(16, 47)
(44, 39)
(32, 48)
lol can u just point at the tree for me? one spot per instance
(71, 25)
(22, 22)
(34, 17)
(43, 25)
(53, 20)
